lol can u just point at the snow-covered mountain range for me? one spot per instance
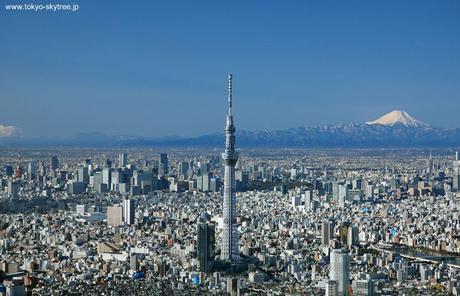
(395, 129)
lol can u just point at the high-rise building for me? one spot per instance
(242, 180)
(83, 175)
(206, 246)
(106, 177)
(13, 189)
(9, 170)
(233, 286)
(19, 172)
(340, 193)
(75, 187)
(307, 199)
(129, 209)
(325, 233)
(340, 270)
(456, 173)
(115, 177)
(331, 288)
(163, 164)
(31, 170)
(98, 183)
(133, 264)
(42, 168)
(115, 216)
(352, 236)
(182, 170)
(206, 179)
(364, 287)
(80, 209)
(343, 195)
(108, 163)
(205, 167)
(213, 184)
(123, 159)
(295, 201)
(54, 163)
(230, 243)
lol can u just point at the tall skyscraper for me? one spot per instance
(9, 170)
(352, 236)
(108, 163)
(206, 179)
(230, 244)
(31, 170)
(129, 209)
(233, 286)
(163, 165)
(83, 175)
(182, 170)
(325, 233)
(13, 188)
(122, 159)
(106, 177)
(206, 246)
(340, 270)
(54, 163)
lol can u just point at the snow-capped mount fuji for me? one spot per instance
(398, 117)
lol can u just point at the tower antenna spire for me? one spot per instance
(229, 94)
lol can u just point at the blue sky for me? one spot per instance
(158, 68)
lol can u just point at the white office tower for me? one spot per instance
(343, 195)
(230, 244)
(128, 211)
(340, 270)
(106, 174)
(123, 159)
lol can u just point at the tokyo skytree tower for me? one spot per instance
(230, 244)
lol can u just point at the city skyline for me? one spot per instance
(330, 223)
(299, 65)
(337, 173)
